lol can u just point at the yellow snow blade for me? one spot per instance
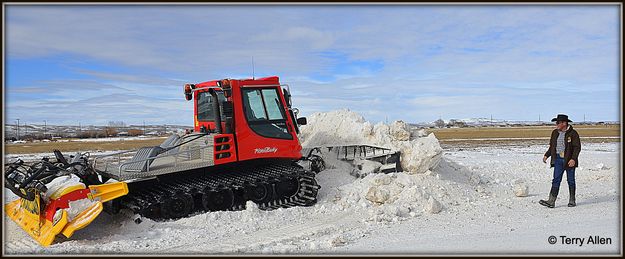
(40, 229)
(108, 191)
(27, 214)
(99, 193)
(65, 190)
(83, 219)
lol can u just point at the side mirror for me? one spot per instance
(301, 121)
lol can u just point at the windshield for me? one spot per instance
(205, 111)
(264, 112)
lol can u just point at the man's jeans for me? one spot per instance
(558, 171)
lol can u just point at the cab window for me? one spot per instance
(205, 111)
(265, 113)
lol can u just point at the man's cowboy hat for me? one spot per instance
(561, 117)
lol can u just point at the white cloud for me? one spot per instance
(432, 59)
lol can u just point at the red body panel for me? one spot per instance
(224, 149)
(63, 202)
(244, 143)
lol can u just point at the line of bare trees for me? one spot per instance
(452, 123)
(113, 129)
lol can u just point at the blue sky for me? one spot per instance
(93, 64)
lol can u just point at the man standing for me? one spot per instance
(564, 148)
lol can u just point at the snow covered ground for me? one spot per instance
(462, 201)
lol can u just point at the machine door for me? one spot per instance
(265, 113)
(263, 128)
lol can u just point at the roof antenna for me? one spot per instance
(253, 68)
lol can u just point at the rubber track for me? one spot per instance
(147, 198)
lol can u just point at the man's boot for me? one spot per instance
(572, 197)
(551, 203)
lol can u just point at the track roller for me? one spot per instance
(258, 192)
(287, 187)
(214, 200)
(177, 206)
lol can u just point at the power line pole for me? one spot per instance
(144, 128)
(45, 124)
(18, 129)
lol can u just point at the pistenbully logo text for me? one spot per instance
(265, 150)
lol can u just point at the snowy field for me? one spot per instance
(449, 201)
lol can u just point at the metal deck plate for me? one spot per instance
(195, 154)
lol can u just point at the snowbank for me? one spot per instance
(393, 197)
(383, 197)
(419, 153)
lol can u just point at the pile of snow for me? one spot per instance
(391, 197)
(344, 127)
(381, 197)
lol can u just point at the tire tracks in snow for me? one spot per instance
(237, 242)
(21, 246)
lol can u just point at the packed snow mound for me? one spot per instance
(419, 153)
(391, 197)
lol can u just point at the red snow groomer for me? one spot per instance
(244, 147)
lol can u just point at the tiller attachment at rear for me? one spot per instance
(377, 159)
(57, 197)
